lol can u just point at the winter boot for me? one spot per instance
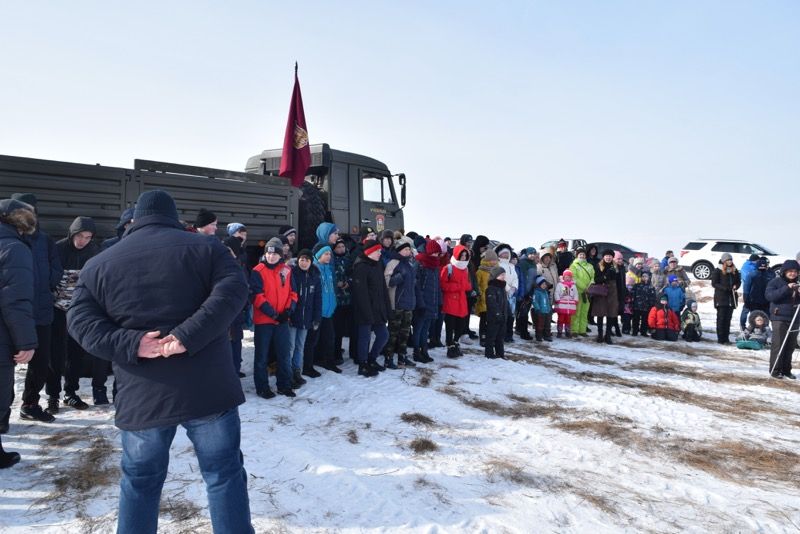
(7, 459)
(75, 401)
(287, 392)
(472, 334)
(525, 335)
(266, 394)
(365, 370)
(404, 361)
(332, 367)
(458, 349)
(297, 379)
(568, 333)
(100, 397)
(417, 356)
(34, 412)
(375, 365)
(452, 352)
(52, 405)
(616, 330)
(600, 333)
(313, 373)
(388, 362)
(426, 355)
(608, 336)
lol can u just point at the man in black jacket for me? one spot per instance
(17, 324)
(46, 275)
(162, 281)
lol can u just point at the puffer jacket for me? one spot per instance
(497, 307)
(327, 276)
(370, 298)
(566, 298)
(688, 317)
(644, 297)
(761, 334)
(401, 279)
(47, 274)
(725, 286)
(429, 296)
(748, 269)
(676, 297)
(541, 301)
(454, 281)
(306, 285)
(550, 273)
(271, 292)
(343, 269)
(582, 274)
(756, 297)
(782, 301)
(483, 282)
(530, 271)
(17, 324)
(663, 318)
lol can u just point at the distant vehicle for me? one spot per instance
(701, 256)
(627, 253)
(572, 244)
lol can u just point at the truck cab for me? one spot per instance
(346, 189)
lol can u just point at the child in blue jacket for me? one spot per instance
(543, 309)
(676, 295)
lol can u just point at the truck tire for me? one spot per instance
(312, 212)
(702, 270)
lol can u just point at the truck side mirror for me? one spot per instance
(402, 180)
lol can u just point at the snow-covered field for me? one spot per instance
(571, 436)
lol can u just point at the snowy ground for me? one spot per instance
(564, 437)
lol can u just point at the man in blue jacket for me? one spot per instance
(17, 325)
(749, 268)
(46, 275)
(158, 305)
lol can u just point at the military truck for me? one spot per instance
(344, 188)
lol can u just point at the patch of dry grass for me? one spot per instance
(425, 376)
(352, 436)
(81, 480)
(422, 446)
(739, 461)
(179, 509)
(418, 419)
(515, 411)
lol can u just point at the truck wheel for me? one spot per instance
(702, 270)
(312, 213)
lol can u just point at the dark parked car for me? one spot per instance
(627, 253)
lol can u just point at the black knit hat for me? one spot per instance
(607, 252)
(27, 198)
(204, 218)
(366, 230)
(155, 202)
(305, 253)
(7, 205)
(287, 230)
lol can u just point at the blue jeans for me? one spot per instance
(364, 335)
(145, 459)
(419, 332)
(275, 336)
(297, 341)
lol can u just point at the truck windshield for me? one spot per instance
(376, 188)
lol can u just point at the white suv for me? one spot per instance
(701, 256)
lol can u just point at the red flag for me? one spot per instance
(296, 155)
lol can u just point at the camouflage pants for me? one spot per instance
(399, 331)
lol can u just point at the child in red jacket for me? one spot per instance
(663, 322)
(455, 284)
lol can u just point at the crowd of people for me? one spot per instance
(169, 310)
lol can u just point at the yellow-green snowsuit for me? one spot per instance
(583, 274)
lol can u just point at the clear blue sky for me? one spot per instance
(647, 123)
